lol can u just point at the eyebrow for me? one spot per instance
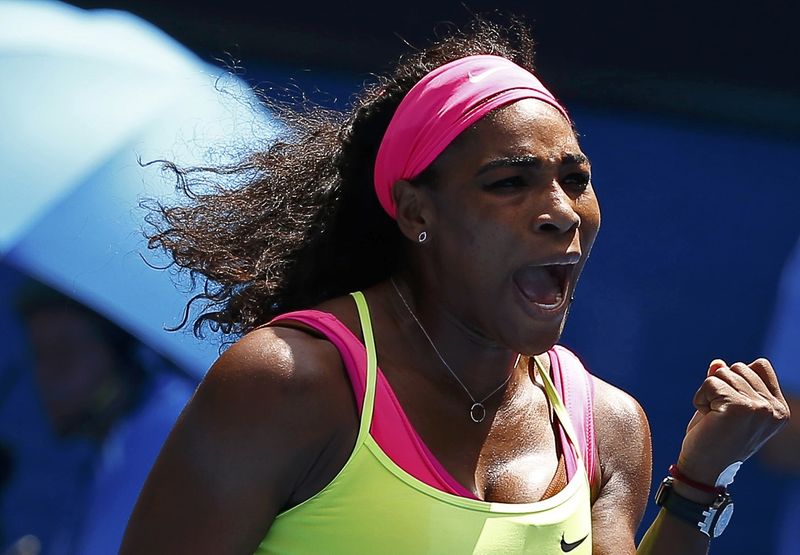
(529, 161)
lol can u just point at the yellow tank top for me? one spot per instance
(372, 506)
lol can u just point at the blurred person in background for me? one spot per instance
(782, 453)
(99, 385)
(84, 422)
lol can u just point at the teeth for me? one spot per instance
(559, 298)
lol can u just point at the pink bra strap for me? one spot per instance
(574, 385)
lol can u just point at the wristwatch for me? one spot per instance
(710, 519)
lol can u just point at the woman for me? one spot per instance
(456, 196)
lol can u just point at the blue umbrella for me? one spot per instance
(83, 97)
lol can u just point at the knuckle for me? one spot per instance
(763, 408)
(741, 408)
(750, 407)
(722, 373)
(762, 363)
(738, 367)
(781, 412)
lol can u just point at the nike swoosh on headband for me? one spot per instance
(477, 78)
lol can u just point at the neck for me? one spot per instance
(482, 366)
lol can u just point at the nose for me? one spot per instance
(558, 213)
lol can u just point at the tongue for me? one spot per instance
(539, 285)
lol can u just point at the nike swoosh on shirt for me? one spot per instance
(566, 547)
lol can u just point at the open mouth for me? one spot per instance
(544, 285)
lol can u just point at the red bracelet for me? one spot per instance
(678, 475)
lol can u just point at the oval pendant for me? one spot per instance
(477, 412)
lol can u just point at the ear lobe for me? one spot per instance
(412, 209)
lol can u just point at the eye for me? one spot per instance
(577, 181)
(506, 184)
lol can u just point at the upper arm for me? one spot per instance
(624, 448)
(250, 435)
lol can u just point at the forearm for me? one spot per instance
(669, 535)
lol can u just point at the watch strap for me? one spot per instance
(676, 473)
(702, 516)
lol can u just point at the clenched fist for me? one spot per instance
(739, 407)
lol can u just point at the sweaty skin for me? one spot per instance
(275, 420)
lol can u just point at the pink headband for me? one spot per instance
(442, 105)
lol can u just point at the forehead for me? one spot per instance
(527, 126)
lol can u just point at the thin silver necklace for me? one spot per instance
(477, 412)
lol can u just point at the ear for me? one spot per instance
(414, 209)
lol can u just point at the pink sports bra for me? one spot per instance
(394, 433)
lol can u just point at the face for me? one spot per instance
(74, 366)
(511, 218)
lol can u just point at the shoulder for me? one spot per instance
(623, 432)
(276, 373)
(617, 409)
(620, 432)
(271, 422)
(279, 400)
(617, 414)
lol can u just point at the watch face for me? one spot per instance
(724, 517)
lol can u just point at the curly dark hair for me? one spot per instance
(303, 224)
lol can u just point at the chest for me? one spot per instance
(512, 456)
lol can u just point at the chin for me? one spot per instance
(541, 339)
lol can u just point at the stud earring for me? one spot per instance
(423, 236)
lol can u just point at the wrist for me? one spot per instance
(685, 480)
(712, 482)
(697, 473)
(693, 494)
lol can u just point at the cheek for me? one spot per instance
(589, 211)
(480, 239)
(478, 223)
(470, 251)
(455, 226)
